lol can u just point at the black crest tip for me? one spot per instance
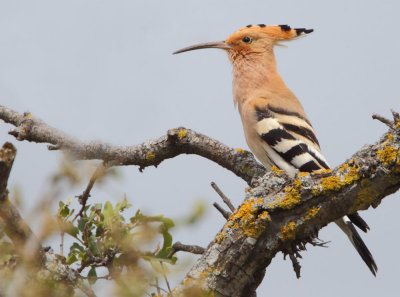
(285, 27)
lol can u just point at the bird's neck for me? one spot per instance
(255, 76)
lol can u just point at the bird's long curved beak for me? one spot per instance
(214, 44)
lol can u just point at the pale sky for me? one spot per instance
(103, 70)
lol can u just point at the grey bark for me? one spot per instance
(278, 213)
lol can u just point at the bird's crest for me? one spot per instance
(277, 32)
(274, 32)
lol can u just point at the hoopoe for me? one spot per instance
(275, 125)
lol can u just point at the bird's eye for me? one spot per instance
(246, 39)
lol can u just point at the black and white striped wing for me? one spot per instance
(289, 141)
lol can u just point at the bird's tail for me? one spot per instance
(347, 227)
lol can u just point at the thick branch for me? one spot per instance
(152, 152)
(15, 227)
(283, 215)
(278, 214)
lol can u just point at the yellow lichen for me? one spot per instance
(297, 183)
(187, 280)
(351, 176)
(320, 171)
(150, 156)
(288, 231)
(388, 155)
(247, 170)
(265, 216)
(336, 182)
(203, 274)
(300, 173)
(365, 196)
(331, 183)
(312, 212)
(29, 115)
(292, 198)
(398, 125)
(182, 133)
(222, 234)
(390, 136)
(277, 170)
(239, 150)
(245, 219)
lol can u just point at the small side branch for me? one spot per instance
(384, 120)
(223, 197)
(225, 214)
(99, 172)
(180, 247)
(296, 265)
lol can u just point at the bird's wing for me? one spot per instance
(289, 140)
(290, 143)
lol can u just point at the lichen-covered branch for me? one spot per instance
(278, 214)
(283, 215)
(152, 152)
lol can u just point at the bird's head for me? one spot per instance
(252, 39)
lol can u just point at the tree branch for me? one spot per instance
(281, 214)
(226, 200)
(149, 153)
(15, 227)
(180, 247)
(278, 214)
(25, 242)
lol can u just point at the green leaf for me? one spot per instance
(82, 223)
(71, 229)
(93, 245)
(76, 247)
(92, 276)
(121, 206)
(71, 259)
(63, 212)
(108, 213)
(97, 206)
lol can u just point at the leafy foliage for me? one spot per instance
(104, 238)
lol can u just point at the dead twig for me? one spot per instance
(384, 120)
(165, 277)
(98, 173)
(223, 197)
(225, 214)
(179, 247)
(296, 265)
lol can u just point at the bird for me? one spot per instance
(275, 124)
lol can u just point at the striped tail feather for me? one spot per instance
(347, 227)
(358, 221)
